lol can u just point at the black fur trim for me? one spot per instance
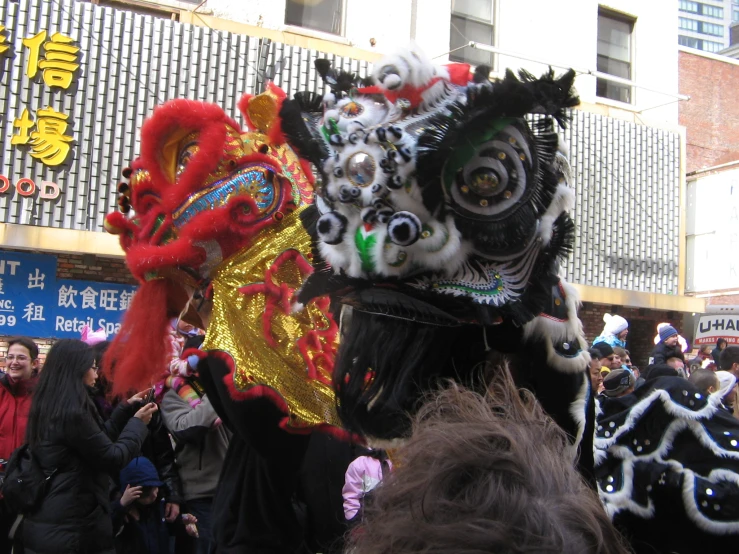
(301, 136)
(309, 101)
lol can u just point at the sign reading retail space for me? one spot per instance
(35, 303)
(713, 327)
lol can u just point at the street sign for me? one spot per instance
(34, 303)
(26, 293)
(716, 326)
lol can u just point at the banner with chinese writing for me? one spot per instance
(97, 304)
(33, 302)
(27, 295)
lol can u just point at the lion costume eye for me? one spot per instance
(188, 150)
(496, 178)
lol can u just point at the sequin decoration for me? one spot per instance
(237, 326)
(252, 180)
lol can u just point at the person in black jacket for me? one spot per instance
(157, 447)
(69, 439)
(667, 347)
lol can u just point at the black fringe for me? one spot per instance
(309, 101)
(301, 135)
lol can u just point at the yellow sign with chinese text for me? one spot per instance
(48, 142)
(59, 63)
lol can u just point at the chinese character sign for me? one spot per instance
(48, 142)
(35, 303)
(57, 59)
(60, 61)
(26, 293)
(97, 304)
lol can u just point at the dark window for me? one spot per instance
(320, 15)
(472, 20)
(614, 55)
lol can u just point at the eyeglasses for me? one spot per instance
(609, 358)
(95, 368)
(20, 358)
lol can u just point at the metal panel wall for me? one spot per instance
(129, 64)
(627, 216)
(627, 176)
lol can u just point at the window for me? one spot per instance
(700, 44)
(701, 9)
(711, 29)
(688, 24)
(319, 15)
(472, 20)
(735, 16)
(614, 55)
(710, 46)
(712, 11)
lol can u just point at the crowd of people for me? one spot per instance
(138, 475)
(135, 475)
(613, 375)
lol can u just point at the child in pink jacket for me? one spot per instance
(363, 475)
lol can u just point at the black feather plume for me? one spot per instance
(300, 134)
(309, 101)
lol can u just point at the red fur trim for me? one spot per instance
(116, 223)
(140, 350)
(277, 91)
(209, 120)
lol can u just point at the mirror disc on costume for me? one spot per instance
(360, 169)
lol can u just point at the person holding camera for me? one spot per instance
(78, 453)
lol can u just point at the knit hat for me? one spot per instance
(140, 472)
(666, 332)
(604, 348)
(614, 324)
(618, 381)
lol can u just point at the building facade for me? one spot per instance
(705, 25)
(711, 119)
(124, 57)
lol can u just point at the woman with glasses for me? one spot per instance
(69, 439)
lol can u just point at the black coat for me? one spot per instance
(662, 352)
(158, 448)
(74, 516)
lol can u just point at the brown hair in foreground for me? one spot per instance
(485, 475)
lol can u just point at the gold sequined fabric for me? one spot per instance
(237, 325)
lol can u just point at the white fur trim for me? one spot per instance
(578, 409)
(563, 201)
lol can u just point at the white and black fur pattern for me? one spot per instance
(669, 454)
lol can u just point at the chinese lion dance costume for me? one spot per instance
(434, 235)
(217, 238)
(443, 218)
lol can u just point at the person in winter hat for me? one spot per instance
(668, 346)
(618, 382)
(138, 515)
(614, 332)
(681, 340)
(716, 352)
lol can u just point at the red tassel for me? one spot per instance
(140, 352)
